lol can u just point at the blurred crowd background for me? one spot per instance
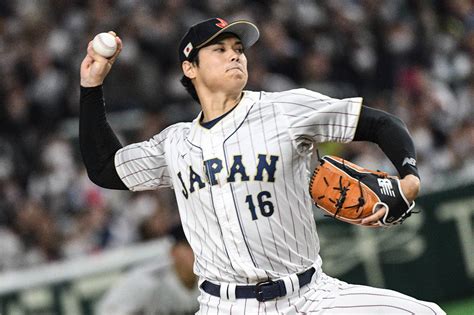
(413, 58)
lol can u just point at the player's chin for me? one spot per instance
(238, 81)
(238, 75)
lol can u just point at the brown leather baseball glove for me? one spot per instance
(350, 193)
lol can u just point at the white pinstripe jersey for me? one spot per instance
(242, 186)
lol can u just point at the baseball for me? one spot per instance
(104, 44)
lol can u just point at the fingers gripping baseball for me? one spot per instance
(94, 67)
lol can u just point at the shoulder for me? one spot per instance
(178, 130)
(296, 95)
(178, 127)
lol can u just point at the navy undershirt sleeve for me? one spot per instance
(98, 143)
(391, 135)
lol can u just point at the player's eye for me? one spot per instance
(219, 49)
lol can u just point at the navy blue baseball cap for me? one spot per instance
(202, 33)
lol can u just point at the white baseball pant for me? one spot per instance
(324, 295)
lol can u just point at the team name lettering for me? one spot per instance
(193, 179)
(266, 168)
(263, 165)
(184, 191)
(213, 167)
(237, 168)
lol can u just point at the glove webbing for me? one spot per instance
(342, 197)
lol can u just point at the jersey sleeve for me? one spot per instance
(143, 165)
(318, 117)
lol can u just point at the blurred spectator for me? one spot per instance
(157, 287)
(411, 58)
(40, 237)
(90, 231)
(11, 249)
(316, 68)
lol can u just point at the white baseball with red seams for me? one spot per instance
(104, 44)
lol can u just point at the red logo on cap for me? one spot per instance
(223, 23)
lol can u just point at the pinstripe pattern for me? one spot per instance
(259, 225)
(234, 237)
(238, 211)
(222, 249)
(234, 242)
(328, 296)
(278, 255)
(286, 233)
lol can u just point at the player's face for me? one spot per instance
(222, 65)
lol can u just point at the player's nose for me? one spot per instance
(234, 56)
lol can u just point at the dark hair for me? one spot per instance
(194, 58)
(187, 83)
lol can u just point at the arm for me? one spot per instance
(98, 142)
(392, 136)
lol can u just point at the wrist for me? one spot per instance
(89, 84)
(411, 186)
(413, 179)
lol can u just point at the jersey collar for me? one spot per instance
(228, 124)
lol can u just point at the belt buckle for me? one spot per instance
(265, 291)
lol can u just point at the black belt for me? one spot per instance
(262, 291)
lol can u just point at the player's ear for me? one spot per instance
(189, 69)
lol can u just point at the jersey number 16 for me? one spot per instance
(265, 205)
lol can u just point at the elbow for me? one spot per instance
(94, 177)
(106, 179)
(395, 121)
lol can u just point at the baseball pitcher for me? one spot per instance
(240, 172)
